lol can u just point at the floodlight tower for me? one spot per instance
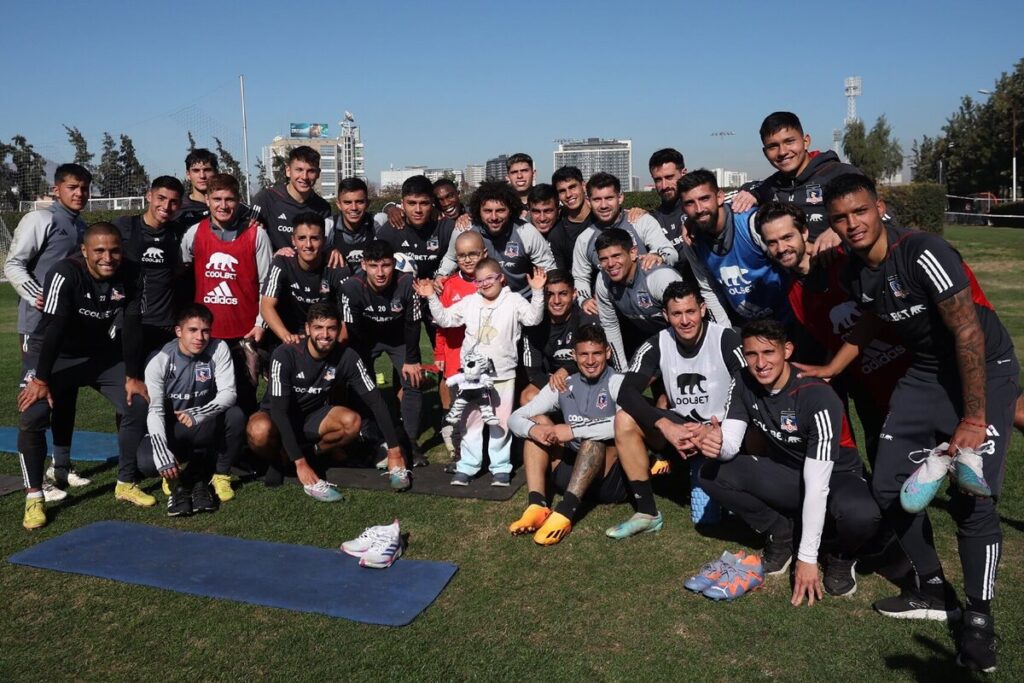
(837, 139)
(853, 88)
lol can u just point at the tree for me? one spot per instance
(262, 179)
(924, 160)
(109, 178)
(280, 162)
(8, 182)
(228, 164)
(83, 157)
(136, 180)
(29, 170)
(875, 153)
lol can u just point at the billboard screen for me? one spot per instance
(307, 130)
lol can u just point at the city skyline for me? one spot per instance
(461, 110)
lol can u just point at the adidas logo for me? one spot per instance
(283, 217)
(405, 243)
(301, 375)
(221, 294)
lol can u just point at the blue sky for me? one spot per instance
(451, 83)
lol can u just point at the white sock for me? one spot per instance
(34, 494)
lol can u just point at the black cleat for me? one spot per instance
(179, 503)
(977, 646)
(419, 459)
(840, 578)
(778, 552)
(913, 604)
(202, 498)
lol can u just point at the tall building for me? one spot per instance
(475, 174)
(595, 154)
(496, 168)
(340, 157)
(729, 179)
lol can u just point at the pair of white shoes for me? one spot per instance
(377, 547)
(52, 494)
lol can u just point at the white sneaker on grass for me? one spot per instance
(362, 543)
(52, 494)
(74, 480)
(384, 549)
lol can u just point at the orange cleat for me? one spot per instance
(532, 519)
(554, 530)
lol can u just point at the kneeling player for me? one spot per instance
(296, 420)
(194, 424)
(580, 452)
(811, 466)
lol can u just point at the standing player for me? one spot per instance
(195, 430)
(78, 346)
(548, 349)
(43, 239)
(694, 360)
(667, 167)
(961, 387)
(200, 167)
(732, 250)
(628, 297)
(279, 205)
(296, 282)
(811, 466)
(579, 453)
(423, 238)
(446, 197)
(575, 217)
(230, 255)
(354, 228)
(542, 206)
(520, 176)
(150, 242)
(514, 244)
(383, 316)
(800, 174)
(297, 422)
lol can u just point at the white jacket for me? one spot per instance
(493, 328)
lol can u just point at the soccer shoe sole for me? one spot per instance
(924, 613)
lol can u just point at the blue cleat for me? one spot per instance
(324, 491)
(737, 580)
(920, 487)
(970, 474)
(639, 523)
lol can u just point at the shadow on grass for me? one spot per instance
(941, 666)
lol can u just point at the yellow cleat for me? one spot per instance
(35, 513)
(531, 520)
(660, 467)
(222, 487)
(554, 530)
(165, 487)
(134, 495)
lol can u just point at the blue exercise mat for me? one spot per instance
(84, 446)
(294, 577)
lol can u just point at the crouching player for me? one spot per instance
(79, 346)
(579, 452)
(195, 428)
(296, 421)
(811, 466)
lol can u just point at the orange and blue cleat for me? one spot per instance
(737, 579)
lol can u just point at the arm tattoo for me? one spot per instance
(589, 463)
(961, 318)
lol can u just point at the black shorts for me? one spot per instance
(307, 427)
(610, 489)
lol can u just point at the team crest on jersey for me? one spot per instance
(602, 400)
(396, 305)
(203, 372)
(512, 249)
(814, 195)
(787, 421)
(329, 374)
(896, 285)
(116, 294)
(644, 300)
(433, 243)
(324, 287)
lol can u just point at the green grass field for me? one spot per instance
(587, 609)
